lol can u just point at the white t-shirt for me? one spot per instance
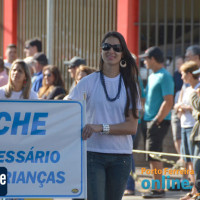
(187, 120)
(7, 64)
(101, 111)
(16, 95)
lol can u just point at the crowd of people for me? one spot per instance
(166, 96)
(46, 80)
(115, 99)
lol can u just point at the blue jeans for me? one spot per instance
(107, 175)
(186, 145)
(131, 182)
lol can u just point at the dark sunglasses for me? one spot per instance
(48, 75)
(27, 47)
(107, 47)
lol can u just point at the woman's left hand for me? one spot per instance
(89, 129)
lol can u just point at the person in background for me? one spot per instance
(195, 135)
(184, 109)
(175, 120)
(40, 61)
(81, 72)
(19, 83)
(11, 55)
(178, 82)
(130, 187)
(32, 47)
(112, 102)
(52, 84)
(18, 87)
(73, 65)
(157, 116)
(193, 54)
(3, 73)
(31, 64)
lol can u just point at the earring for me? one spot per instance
(24, 82)
(123, 63)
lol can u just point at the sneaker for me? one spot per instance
(154, 194)
(129, 192)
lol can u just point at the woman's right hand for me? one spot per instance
(89, 129)
(178, 109)
(177, 106)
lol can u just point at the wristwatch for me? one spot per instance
(106, 129)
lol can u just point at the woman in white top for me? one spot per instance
(112, 104)
(19, 83)
(184, 110)
(18, 86)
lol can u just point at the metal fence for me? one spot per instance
(31, 22)
(78, 28)
(79, 25)
(172, 25)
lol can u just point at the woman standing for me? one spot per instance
(19, 83)
(112, 105)
(195, 135)
(184, 109)
(52, 83)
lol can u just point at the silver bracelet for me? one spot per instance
(106, 129)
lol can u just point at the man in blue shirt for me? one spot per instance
(159, 101)
(40, 61)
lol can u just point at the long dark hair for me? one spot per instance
(46, 89)
(129, 73)
(57, 75)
